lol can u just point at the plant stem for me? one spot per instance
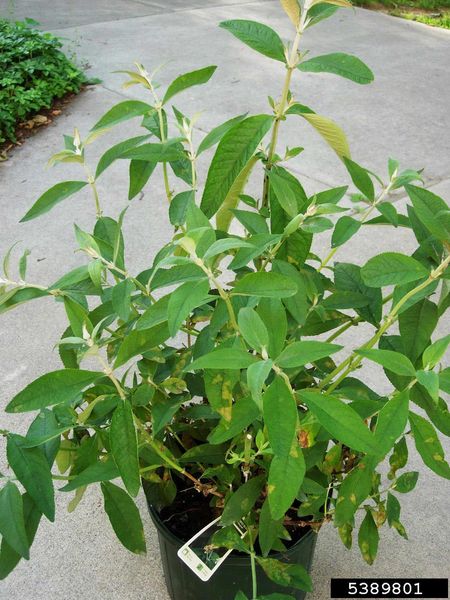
(281, 108)
(91, 181)
(253, 567)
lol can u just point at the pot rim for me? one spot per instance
(233, 557)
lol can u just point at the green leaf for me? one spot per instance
(406, 482)
(12, 523)
(345, 228)
(51, 197)
(183, 82)
(428, 208)
(216, 134)
(278, 400)
(416, 339)
(156, 152)
(269, 529)
(253, 329)
(211, 454)
(234, 151)
(361, 178)
(225, 215)
(46, 431)
(96, 472)
(299, 354)
(57, 387)
(266, 285)
(341, 421)
(122, 112)
(140, 341)
(124, 517)
(223, 359)
(390, 360)
(155, 314)
(121, 298)
(428, 445)
(368, 538)
(286, 474)
(345, 65)
(33, 472)
(286, 574)
(392, 421)
(353, 491)
(347, 277)
(124, 446)
(242, 500)
(392, 268)
(224, 245)
(257, 374)
(259, 37)
(285, 194)
(183, 301)
(179, 206)
(9, 558)
(435, 352)
(430, 381)
(140, 172)
(113, 153)
(331, 133)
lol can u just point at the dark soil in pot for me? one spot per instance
(187, 515)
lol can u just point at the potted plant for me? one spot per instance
(211, 379)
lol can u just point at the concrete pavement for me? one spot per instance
(404, 114)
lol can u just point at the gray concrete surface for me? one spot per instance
(404, 114)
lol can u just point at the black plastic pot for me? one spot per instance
(233, 575)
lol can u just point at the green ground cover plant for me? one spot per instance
(430, 12)
(216, 367)
(33, 72)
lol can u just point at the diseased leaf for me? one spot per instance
(124, 517)
(345, 65)
(406, 482)
(353, 491)
(183, 82)
(428, 445)
(51, 197)
(242, 500)
(292, 9)
(341, 421)
(286, 474)
(234, 151)
(368, 538)
(57, 387)
(286, 574)
(258, 36)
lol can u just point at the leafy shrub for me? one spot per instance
(33, 72)
(230, 382)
